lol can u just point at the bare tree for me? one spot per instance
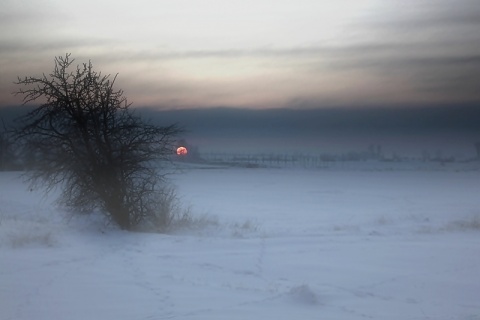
(86, 139)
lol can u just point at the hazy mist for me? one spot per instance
(452, 130)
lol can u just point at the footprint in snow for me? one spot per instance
(303, 294)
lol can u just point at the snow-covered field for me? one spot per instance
(268, 244)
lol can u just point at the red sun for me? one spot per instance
(182, 151)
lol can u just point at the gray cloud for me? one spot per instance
(431, 46)
(399, 16)
(53, 47)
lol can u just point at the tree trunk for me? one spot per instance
(119, 213)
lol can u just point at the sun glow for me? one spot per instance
(182, 151)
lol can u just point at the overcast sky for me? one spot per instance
(254, 53)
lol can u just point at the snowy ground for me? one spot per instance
(270, 244)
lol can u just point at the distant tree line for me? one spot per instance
(372, 153)
(10, 156)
